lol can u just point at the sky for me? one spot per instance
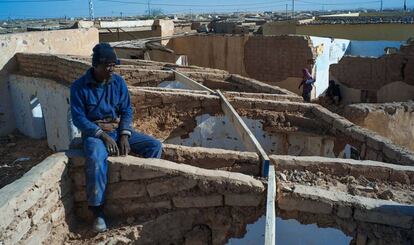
(80, 8)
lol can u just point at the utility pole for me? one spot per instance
(149, 9)
(382, 4)
(287, 14)
(293, 9)
(91, 17)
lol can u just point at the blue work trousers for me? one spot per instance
(96, 166)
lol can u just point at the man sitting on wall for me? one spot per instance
(101, 109)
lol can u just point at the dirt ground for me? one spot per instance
(18, 154)
(360, 186)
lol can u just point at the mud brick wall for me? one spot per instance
(140, 186)
(373, 73)
(33, 205)
(61, 69)
(233, 161)
(287, 57)
(165, 114)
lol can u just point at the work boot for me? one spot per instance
(99, 224)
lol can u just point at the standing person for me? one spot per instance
(333, 93)
(101, 109)
(307, 82)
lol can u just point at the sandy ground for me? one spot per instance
(18, 154)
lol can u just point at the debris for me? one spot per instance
(283, 176)
(21, 159)
(386, 195)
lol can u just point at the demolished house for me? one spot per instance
(236, 150)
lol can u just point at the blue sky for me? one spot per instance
(79, 8)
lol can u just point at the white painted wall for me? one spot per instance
(54, 99)
(218, 132)
(73, 42)
(331, 51)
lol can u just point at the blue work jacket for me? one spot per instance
(91, 101)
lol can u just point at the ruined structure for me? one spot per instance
(207, 187)
(377, 80)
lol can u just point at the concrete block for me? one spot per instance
(371, 172)
(138, 173)
(305, 205)
(392, 152)
(392, 219)
(136, 207)
(242, 200)
(198, 202)
(172, 185)
(344, 212)
(126, 190)
(78, 178)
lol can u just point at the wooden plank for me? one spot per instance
(247, 137)
(192, 84)
(270, 229)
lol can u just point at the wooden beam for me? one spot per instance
(270, 229)
(247, 137)
(190, 83)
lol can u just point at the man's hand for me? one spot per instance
(124, 147)
(110, 144)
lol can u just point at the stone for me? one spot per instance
(17, 231)
(242, 200)
(46, 207)
(40, 234)
(126, 190)
(283, 176)
(198, 201)
(386, 195)
(172, 185)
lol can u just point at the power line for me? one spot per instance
(193, 5)
(33, 1)
(337, 4)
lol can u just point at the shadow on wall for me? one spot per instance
(38, 120)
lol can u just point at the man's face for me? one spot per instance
(104, 71)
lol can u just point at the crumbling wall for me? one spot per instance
(168, 115)
(37, 205)
(371, 75)
(74, 41)
(367, 219)
(276, 60)
(213, 158)
(54, 99)
(162, 190)
(391, 120)
(66, 69)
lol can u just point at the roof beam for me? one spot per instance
(270, 228)
(190, 83)
(247, 137)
